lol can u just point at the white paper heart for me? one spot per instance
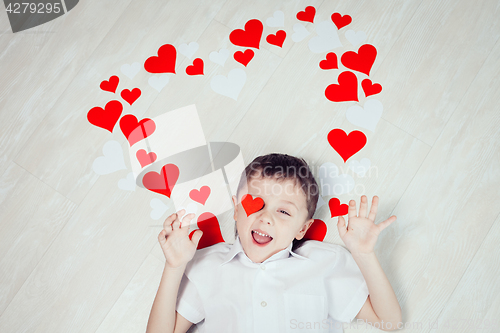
(360, 167)
(159, 208)
(111, 161)
(127, 184)
(158, 82)
(188, 50)
(231, 85)
(327, 39)
(331, 182)
(300, 32)
(366, 117)
(355, 38)
(131, 70)
(219, 57)
(278, 19)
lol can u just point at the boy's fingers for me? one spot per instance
(373, 210)
(341, 226)
(177, 222)
(362, 206)
(186, 221)
(196, 237)
(351, 212)
(161, 237)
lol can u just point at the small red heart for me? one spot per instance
(105, 118)
(317, 231)
(330, 62)
(361, 61)
(341, 21)
(251, 205)
(244, 57)
(164, 62)
(346, 90)
(145, 158)
(278, 39)
(136, 131)
(208, 223)
(346, 145)
(250, 36)
(131, 96)
(111, 84)
(336, 209)
(200, 195)
(307, 15)
(196, 68)
(162, 182)
(369, 88)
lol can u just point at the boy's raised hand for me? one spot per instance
(362, 233)
(174, 240)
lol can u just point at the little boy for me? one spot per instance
(270, 279)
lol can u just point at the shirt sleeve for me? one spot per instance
(346, 287)
(189, 304)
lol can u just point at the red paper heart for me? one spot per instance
(250, 36)
(162, 182)
(105, 118)
(111, 84)
(145, 158)
(336, 209)
(346, 90)
(208, 223)
(369, 88)
(131, 96)
(196, 68)
(277, 39)
(136, 131)
(361, 61)
(243, 57)
(200, 195)
(251, 205)
(317, 231)
(346, 145)
(307, 15)
(341, 21)
(330, 62)
(164, 62)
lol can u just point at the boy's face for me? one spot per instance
(283, 217)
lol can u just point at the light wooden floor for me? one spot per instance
(78, 254)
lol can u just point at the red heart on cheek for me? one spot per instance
(208, 223)
(317, 231)
(251, 205)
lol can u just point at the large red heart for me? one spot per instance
(330, 62)
(162, 182)
(164, 62)
(105, 118)
(111, 84)
(131, 96)
(317, 231)
(336, 209)
(307, 15)
(145, 158)
(243, 57)
(278, 39)
(250, 36)
(136, 131)
(200, 195)
(251, 205)
(208, 223)
(341, 21)
(346, 90)
(346, 145)
(361, 61)
(196, 68)
(369, 88)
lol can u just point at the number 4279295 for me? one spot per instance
(31, 7)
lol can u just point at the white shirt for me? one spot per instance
(224, 291)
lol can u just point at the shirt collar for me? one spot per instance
(237, 248)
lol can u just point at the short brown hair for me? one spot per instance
(278, 166)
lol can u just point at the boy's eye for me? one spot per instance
(284, 211)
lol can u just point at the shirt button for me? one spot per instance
(263, 303)
(263, 267)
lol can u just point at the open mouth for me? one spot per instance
(260, 238)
